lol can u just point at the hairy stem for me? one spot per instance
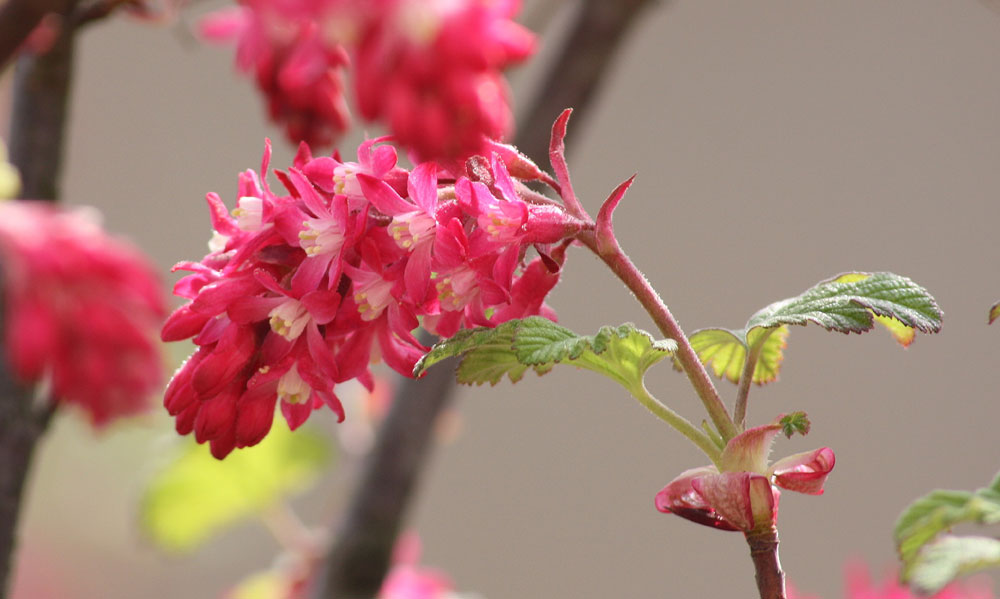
(764, 553)
(746, 377)
(625, 269)
(681, 424)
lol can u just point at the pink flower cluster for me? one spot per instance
(861, 586)
(80, 310)
(744, 494)
(430, 69)
(303, 291)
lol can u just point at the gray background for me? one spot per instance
(777, 143)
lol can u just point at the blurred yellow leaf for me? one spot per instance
(196, 495)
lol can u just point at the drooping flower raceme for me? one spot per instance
(302, 291)
(742, 493)
(294, 63)
(430, 69)
(80, 310)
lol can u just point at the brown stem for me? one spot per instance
(591, 45)
(764, 553)
(41, 89)
(38, 121)
(18, 18)
(359, 558)
(21, 425)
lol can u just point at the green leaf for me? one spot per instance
(196, 495)
(851, 302)
(796, 422)
(724, 351)
(946, 559)
(994, 312)
(622, 353)
(938, 511)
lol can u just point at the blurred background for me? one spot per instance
(777, 143)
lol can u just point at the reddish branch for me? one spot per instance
(359, 559)
(764, 553)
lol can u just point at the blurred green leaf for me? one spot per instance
(622, 353)
(994, 312)
(949, 557)
(926, 561)
(196, 495)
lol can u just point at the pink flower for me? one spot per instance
(742, 493)
(81, 310)
(304, 291)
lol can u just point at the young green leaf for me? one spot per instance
(196, 495)
(949, 557)
(849, 303)
(927, 517)
(724, 351)
(622, 353)
(795, 423)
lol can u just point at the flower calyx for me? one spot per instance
(742, 492)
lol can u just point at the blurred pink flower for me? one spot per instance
(408, 580)
(80, 310)
(430, 69)
(295, 66)
(861, 586)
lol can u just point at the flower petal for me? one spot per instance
(680, 497)
(748, 451)
(804, 472)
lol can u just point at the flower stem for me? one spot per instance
(624, 269)
(683, 426)
(764, 553)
